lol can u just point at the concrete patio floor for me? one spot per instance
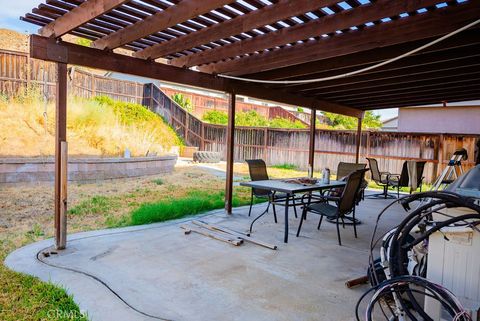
(156, 272)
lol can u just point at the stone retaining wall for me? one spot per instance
(16, 170)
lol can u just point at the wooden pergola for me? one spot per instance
(200, 41)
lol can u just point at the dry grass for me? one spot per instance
(94, 128)
(12, 40)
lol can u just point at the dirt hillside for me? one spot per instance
(12, 40)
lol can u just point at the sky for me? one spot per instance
(11, 10)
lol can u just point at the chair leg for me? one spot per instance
(304, 213)
(320, 222)
(354, 223)
(398, 191)
(274, 213)
(338, 233)
(295, 209)
(251, 204)
(385, 191)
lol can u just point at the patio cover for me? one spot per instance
(270, 40)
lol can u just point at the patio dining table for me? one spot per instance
(290, 189)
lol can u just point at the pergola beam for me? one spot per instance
(255, 19)
(386, 34)
(314, 28)
(171, 16)
(51, 50)
(78, 16)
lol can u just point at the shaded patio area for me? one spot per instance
(156, 272)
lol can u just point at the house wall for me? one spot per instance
(390, 125)
(452, 120)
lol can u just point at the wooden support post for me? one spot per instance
(358, 140)
(311, 149)
(61, 158)
(202, 134)
(230, 149)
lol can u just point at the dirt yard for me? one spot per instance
(26, 210)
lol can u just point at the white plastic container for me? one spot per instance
(455, 264)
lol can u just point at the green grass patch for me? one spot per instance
(95, 205)
(372, 184)
(158, 181)
(195, 202)
(26, 298)
(31, 299)
(285, 166)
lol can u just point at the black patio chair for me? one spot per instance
(345, 204)
(258, 172)
(381, 178)
(343, 170)
(403, 180)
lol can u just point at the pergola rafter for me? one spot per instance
(78, 16)
(162, 20)
(314, 28)
(386, 34)
(255, 19)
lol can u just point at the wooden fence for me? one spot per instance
(276, 146)
(280, 146)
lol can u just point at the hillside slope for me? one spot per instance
(95, 127)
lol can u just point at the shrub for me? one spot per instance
(370, 120)
(250, 118)
(279, 122)
(215, 117)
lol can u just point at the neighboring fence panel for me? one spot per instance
(276, 146)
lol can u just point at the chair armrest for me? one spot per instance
(331, 198)
(393, 175)
(311, 198)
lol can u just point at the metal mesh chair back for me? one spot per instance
(404, 179)
(373, 164)
(350, 192)
(258, 172)
(345, 169)
(420, 169)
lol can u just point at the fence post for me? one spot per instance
(92, 84)
(202, 135)
(359, 139)
(186, 127)
(441, 145)
(265, 144)
(367, 147)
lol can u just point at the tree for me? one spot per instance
(183, 101)
(337, 121)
